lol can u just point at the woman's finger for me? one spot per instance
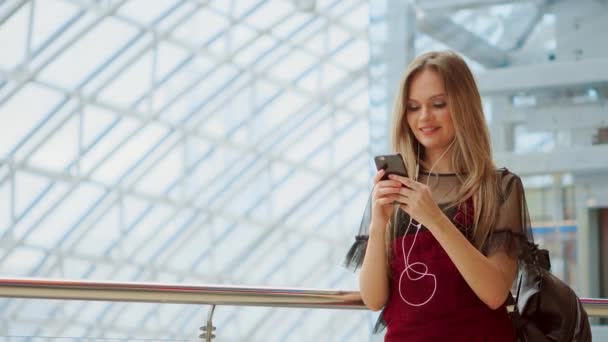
(391, 198)
(387, 200)
(378, 176)
(403, 199)
(389, 183)
(405, 191)
(410, 183)
(394, 193)
(388, 190)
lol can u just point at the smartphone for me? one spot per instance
(392, 164)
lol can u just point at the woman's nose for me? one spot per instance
(424, 112)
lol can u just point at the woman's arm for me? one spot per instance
(373, 280)
(489, 277)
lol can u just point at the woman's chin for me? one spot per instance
(434, 143)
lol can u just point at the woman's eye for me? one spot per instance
(439, 104)
(412, 108)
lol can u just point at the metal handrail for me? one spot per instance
(181, 294)
(44, 288)
(596, 306)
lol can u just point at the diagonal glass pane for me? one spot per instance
(145, 11)
(89, 52)
(20, 115)
(49, 16)
(202, 27)
(12, 36)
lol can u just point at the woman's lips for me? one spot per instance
(428, 130)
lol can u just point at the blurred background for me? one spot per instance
(231, 142)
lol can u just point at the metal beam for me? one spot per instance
(85, 99)
(389, 57)
(236, 21)
(283, 220)
(72, 187)
(117, 109)
(79, 180)
(199, 212)
(207, 54)
(316, 272)
(76, 92)
(284, 42)
(215, 140)
(595, 188)
(334, 20)
(122, 111)
(28, 76)
(313, 276)
(182, 205)
(204, 186)
(549, 118)
(445, 30)
(167, 201)
(255, 260)
(520, 25)
(582, 159)
(11, 11)
(535, 77)
(235, 261)
(454, 5)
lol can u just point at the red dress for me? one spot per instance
(455, 313)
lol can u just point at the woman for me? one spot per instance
(438, 250)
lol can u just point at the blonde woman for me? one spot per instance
(438, 250)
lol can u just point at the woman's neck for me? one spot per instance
(444, 165)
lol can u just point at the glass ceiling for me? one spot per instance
(187, 141)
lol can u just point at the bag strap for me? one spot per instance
(516, 308)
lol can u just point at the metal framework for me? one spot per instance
(230, 141)
(215, 129)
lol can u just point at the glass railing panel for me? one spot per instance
(66, 320)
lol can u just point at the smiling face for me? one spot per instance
(427, 111)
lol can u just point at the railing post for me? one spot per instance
(208, 329)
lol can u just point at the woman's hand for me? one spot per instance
(382, 199)
(416, 199)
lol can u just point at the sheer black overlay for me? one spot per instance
(512, 233)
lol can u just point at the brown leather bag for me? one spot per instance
(546, 309)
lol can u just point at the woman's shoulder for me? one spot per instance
(508, 182)
(506, 176)
(504, 172)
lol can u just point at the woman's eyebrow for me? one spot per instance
(430, 98)
(434, 96)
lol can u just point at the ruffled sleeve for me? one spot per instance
(512, 232)
(356, 253)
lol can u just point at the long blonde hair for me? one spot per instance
(471, 155)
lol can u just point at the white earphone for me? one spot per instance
(410, 267)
